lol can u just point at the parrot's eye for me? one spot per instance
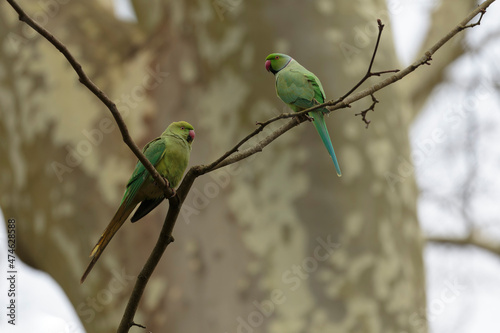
(276, 57)
(182, 127)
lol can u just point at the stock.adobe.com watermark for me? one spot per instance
(202, 196)
(363, 34)
(87, 310)
(222, 7)
(449, 294)
(454, 116)
(95, 136)
(48, 9)
(291, 279)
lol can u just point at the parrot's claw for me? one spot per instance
(174, 193)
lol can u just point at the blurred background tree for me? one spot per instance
(249, 232)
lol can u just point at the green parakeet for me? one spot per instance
(300, 90)
(170, 156)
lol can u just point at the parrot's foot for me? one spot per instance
(174, 193)
(164, 179)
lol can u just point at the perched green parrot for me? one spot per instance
(300, 90)
(170, 156)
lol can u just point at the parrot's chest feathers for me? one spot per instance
(173, 163)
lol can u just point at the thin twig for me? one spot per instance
(218, 162)
(138, 325)
(212, 165)
(472, 25)
(471, 239)
(369, 71)
(363, 113)
(257, 147)
(425, 59)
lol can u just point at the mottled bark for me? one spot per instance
(276, 243)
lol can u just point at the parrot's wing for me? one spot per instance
(293, 85)
(154, 152)
(300, 88)
(319, 93)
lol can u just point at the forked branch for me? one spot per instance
(369, 72)
(364, 112)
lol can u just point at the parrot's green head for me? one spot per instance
(276, 62)
(181, 129)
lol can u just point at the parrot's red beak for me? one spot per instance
(268, 65)
(191, 136)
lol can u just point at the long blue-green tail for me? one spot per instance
(319, 123)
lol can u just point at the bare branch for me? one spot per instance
(87, 82)
(163, 241)
(472, 239)
(363, 113)
(472, 25)
(138, 325)
(442, 19)
(425, 59)
(258, 147)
